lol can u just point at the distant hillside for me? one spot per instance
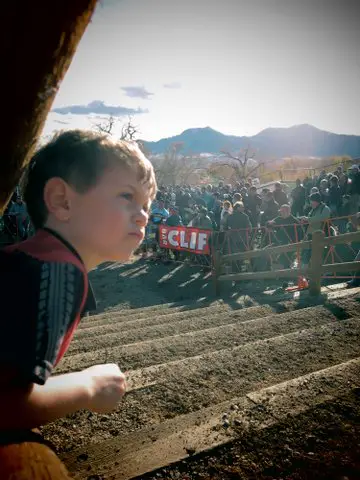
(300, 140)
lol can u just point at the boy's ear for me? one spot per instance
(57, 198)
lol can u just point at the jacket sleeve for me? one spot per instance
(43, 300)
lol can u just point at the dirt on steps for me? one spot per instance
(234, 330)
(182, 386)
(321, 444)
(181, 363)
(126, 456)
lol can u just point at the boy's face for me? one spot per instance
(109, 220)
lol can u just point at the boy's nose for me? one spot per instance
(141, 218)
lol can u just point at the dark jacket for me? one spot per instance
(174, 221)
(253, 203)
(238, 233)
(287, 230)
(238, 220)
(299, 195)
(335, 197)
(280, 197)
(271, 210)
(355, 184)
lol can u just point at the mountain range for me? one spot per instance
(299, 140)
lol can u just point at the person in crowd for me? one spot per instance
(238, 219)
(253, 204)
(317, 219)
(285, 229)
(298, 196)
(264, 193)
(174, 219)
(236, 198)
(183, 199)
(343, 183)
(321, 177)
(206, 197)
(16, 218)
(225, 212)
(202, 220)
(334, 196)
(18, 209)
(318, 216)
(238, 230)
(270, 209)
(324, 190)
(159, 213)
(280, 196)
(307, 184)
(217, 209)
(354, 189)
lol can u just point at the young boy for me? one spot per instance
(89, 201)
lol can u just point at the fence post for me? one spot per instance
(217, 271)
(316, 262)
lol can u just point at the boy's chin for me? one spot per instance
(122, 256)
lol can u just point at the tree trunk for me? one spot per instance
(38, 41)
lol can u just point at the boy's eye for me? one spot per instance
(128, 196)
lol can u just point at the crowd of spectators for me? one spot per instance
(243, 213)
(223, 207)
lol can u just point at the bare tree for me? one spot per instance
(106, 126)
(240, 162)
(128, 132)
(174, 168)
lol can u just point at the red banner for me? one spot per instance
(189, 239)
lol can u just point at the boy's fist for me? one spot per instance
(106, 385)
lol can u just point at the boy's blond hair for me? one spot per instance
(80, 158)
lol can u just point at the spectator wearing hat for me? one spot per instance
(318, 214)
(317, 220)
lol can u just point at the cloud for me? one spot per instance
(172, 85)
(137, 92)
(99, 108)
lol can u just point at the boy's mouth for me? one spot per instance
(138, 235)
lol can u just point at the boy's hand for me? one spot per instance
(107, 385)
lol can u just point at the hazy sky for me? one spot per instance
(238, 66)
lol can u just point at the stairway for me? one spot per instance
(198, 375)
